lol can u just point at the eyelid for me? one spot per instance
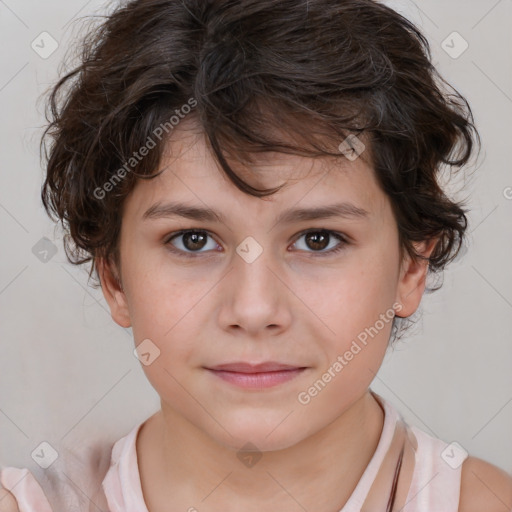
(342, 236)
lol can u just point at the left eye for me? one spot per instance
(319, 240)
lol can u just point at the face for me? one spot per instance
(256, 283)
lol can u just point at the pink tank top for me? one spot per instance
(425, 481)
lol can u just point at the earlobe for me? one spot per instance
(113, 292)
(413, 274)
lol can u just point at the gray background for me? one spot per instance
(67, 371)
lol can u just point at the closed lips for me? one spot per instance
(242, 367)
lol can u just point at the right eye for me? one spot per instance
(190, 242)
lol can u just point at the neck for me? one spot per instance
(179, 462)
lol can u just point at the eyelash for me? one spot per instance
(343, 242)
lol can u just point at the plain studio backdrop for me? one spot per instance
(68, 375)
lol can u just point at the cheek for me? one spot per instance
(357, 296)
(358, 311)
(164, 307)
(356, 307)
(166, 312)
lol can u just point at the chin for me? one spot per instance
(254, 432)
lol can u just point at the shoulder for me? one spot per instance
(19, 486)
(484, 487)
(8, 502)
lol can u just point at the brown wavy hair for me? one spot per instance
(317, 70)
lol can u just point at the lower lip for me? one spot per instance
(257, 380)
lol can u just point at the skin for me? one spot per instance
(291, 305)
(484, 487)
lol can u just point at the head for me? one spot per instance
(190, 134)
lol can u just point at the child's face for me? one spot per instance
(296, 303)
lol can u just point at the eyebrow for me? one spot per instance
(174, 209)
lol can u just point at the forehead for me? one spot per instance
(192, 174)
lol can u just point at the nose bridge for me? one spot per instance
(253, 297)
(252, 265)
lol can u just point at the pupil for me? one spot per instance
(197, 239)
(317, 240)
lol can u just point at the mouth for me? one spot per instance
(256, 376)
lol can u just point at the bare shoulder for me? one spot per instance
(8, 502)
(484, 487)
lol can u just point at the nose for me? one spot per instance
(254, 298)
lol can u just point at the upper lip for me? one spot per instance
(243, 367)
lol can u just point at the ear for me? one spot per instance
(113, 292)
(411, 284)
